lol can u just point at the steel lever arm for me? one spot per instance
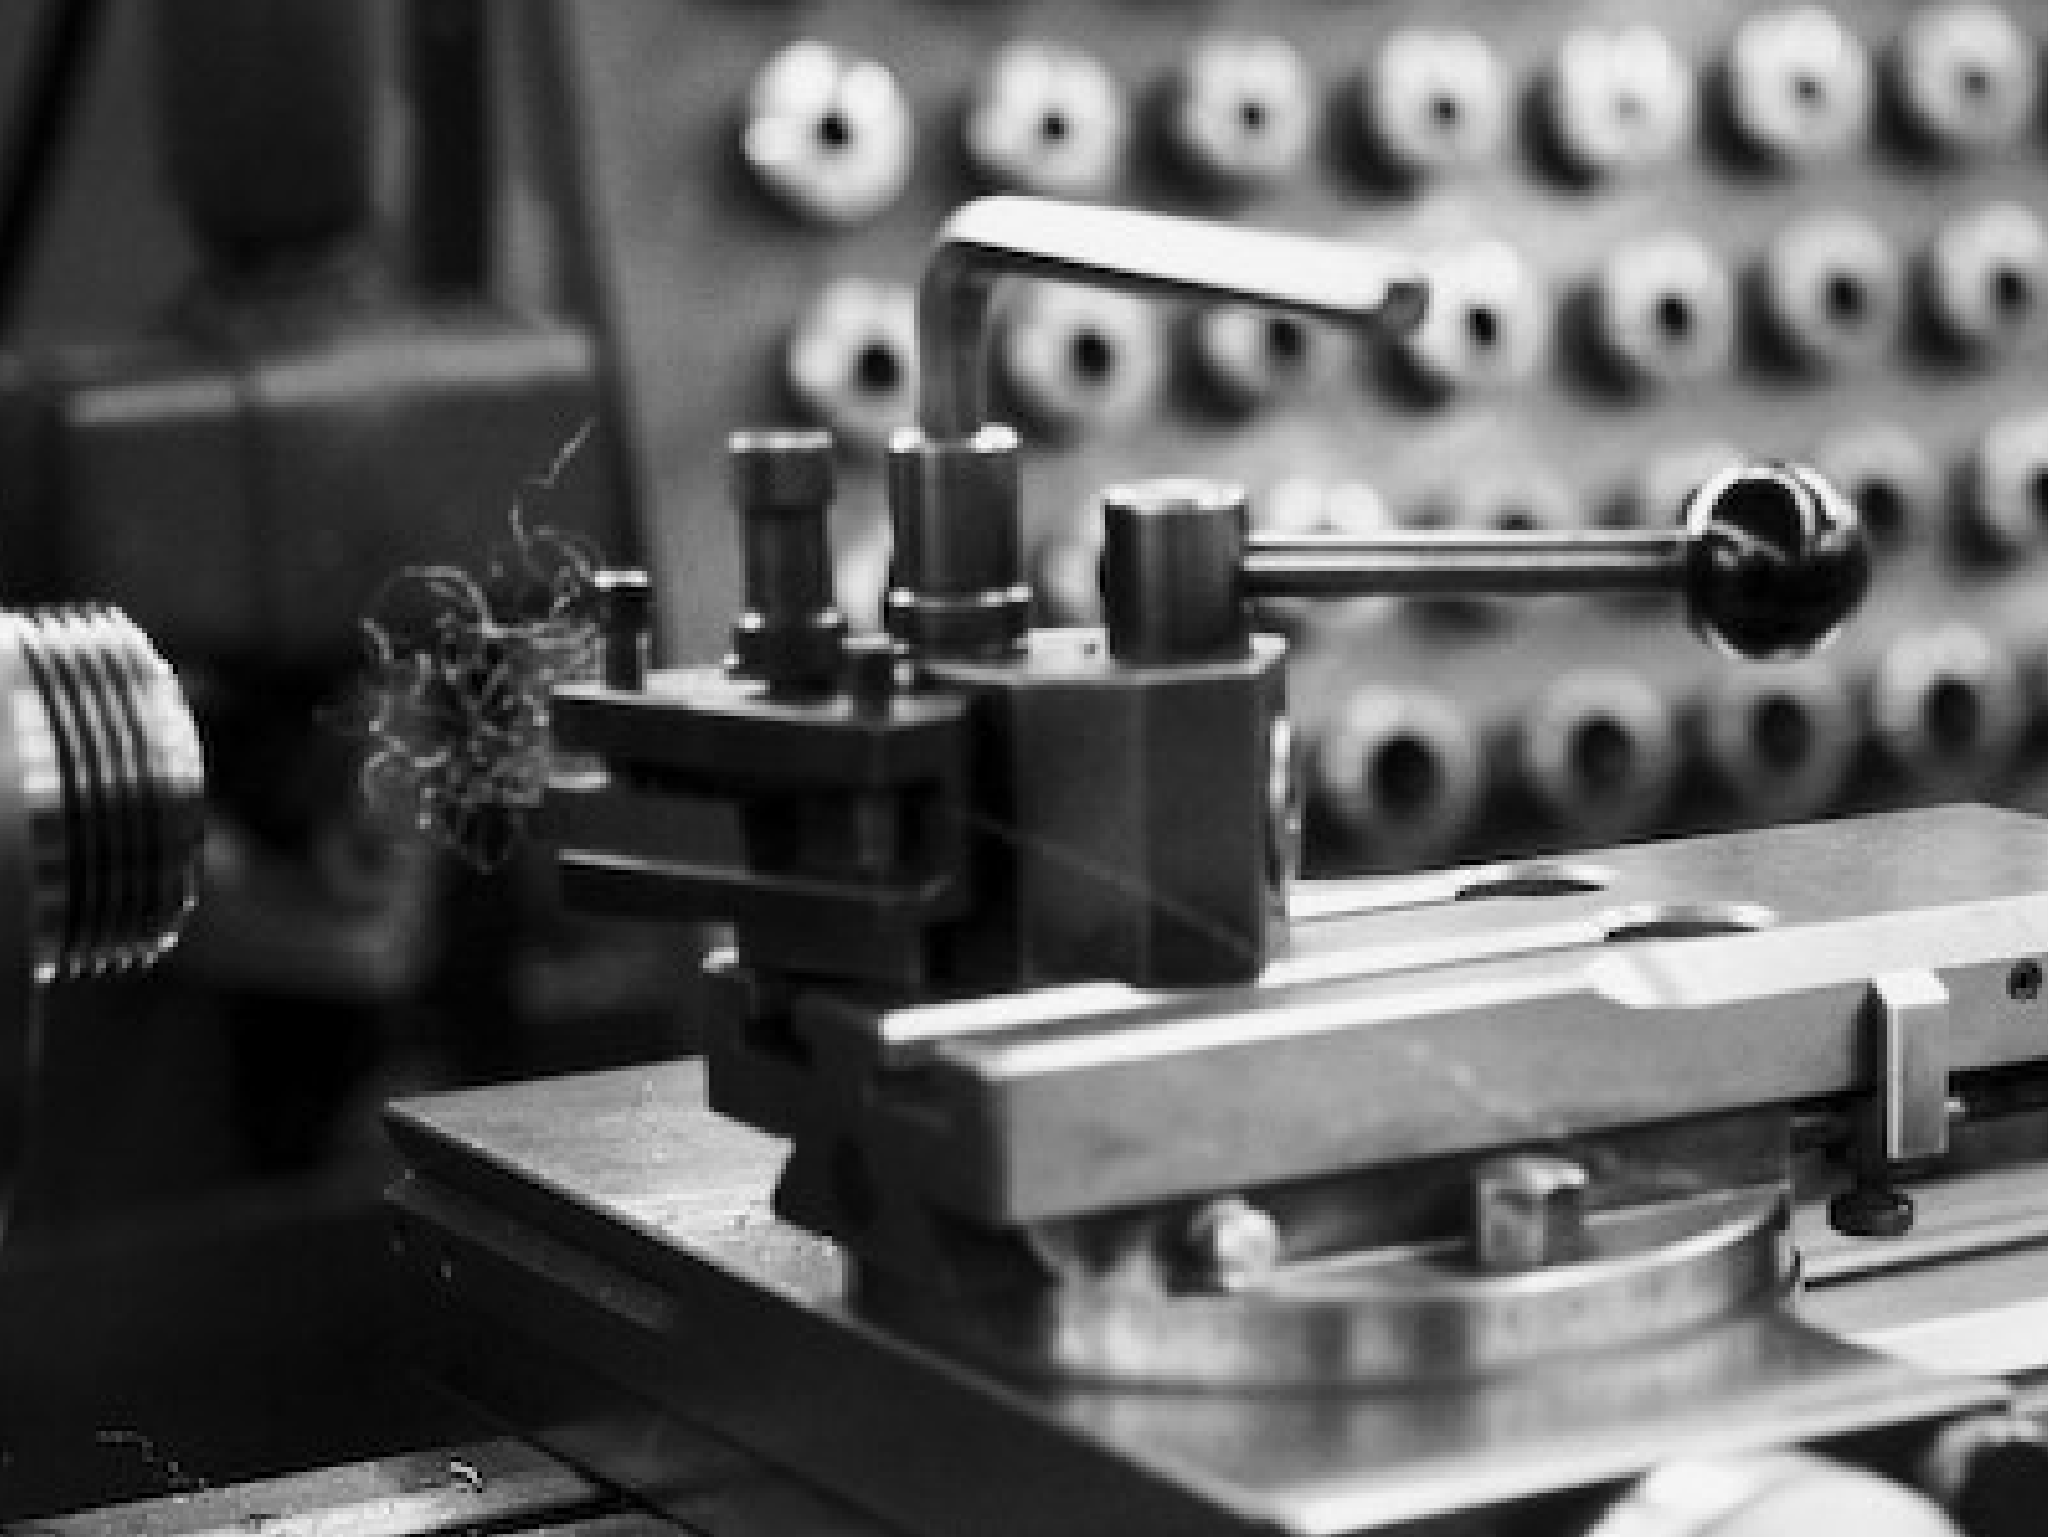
(1344, 284)
(957, 585)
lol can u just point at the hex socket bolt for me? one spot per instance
(790, 633)
(1769, 559)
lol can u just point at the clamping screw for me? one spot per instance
(790, 634)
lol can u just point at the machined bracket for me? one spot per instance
(1908, 1031)
(1907, 1039)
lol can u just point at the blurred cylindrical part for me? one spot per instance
(1832, 290)
(1486, 321)
(1780, 742)
(1798, 85)
(2006, 486)
(829, 135)
(1077, 357)
(1948, 707)
(1617, 100)
(1241, 111)
(1986, 279)
(1253, 357)
(851, 360)
(1398, 773)
(1664, 309)
(1598, 753)
(111, 781)
(1429, 102)
(1048, 119)
(1890, 477)
(1965, 75)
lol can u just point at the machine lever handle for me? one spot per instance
(1341, 283)
(1770, 560)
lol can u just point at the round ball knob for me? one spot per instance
(1775, 560)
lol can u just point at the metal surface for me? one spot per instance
(1416, 1319)
(1649, 983)
(603, 1231)
(1098, 874)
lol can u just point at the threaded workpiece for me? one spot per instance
(113, 781)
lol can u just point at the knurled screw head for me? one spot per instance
(1528, 1211)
